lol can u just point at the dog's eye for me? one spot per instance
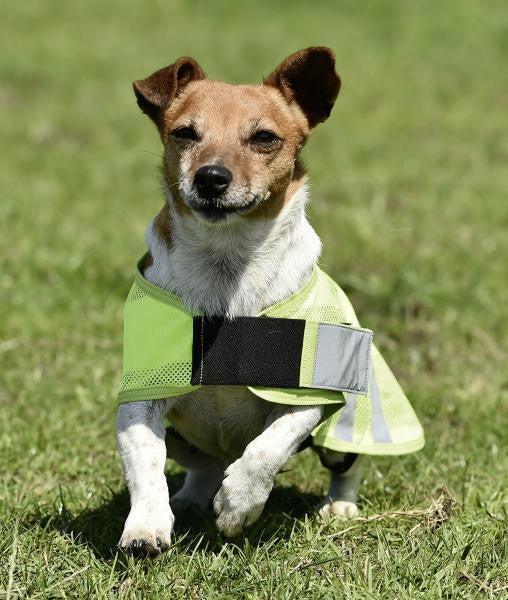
(185, 133)
(264, 137)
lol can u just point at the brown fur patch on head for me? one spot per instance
(225, 117)
(270, 209)
(254, 131)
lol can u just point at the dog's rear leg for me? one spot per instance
(204, 473)
(249, 480)
(140, 437)
(342, 493)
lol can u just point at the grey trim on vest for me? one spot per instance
(379, 427)
(342, 360)
(344, 427)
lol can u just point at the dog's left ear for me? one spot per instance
(308, 78)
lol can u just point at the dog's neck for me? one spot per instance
(236, 269)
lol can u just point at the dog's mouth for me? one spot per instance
(219, 209)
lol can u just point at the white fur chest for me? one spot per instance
(234, 270)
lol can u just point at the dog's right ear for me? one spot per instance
(155, 93)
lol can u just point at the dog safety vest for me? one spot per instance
(306, 350)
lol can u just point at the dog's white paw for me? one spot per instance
(337, 508)
(240, 500)
(147, 530)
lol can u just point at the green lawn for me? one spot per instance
(409, 181)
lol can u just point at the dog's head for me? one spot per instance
(231, 150)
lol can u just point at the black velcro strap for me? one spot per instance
(247, 351)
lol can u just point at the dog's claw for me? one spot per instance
(146, 538)
(142, 548)
(162, 545)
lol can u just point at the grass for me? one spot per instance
(409, 186)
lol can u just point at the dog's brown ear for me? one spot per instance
(308, 78)
(156, 92)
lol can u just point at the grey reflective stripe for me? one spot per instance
(344, 428)
(379, 427)
(342, 360)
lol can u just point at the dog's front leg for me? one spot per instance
(249, 480)
(142, 447)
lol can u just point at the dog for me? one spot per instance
(231, 239)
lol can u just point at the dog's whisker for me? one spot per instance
(161, 156)
(177, 183)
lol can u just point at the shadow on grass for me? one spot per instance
(100, 528)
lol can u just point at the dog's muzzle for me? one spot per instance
(212, 197)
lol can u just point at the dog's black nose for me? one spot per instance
(212, 180)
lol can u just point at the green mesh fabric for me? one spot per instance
(172, 374)
(157, 357)
(308, 353)
(324, 313)
(136, 293)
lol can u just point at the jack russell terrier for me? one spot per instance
(232, 331)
